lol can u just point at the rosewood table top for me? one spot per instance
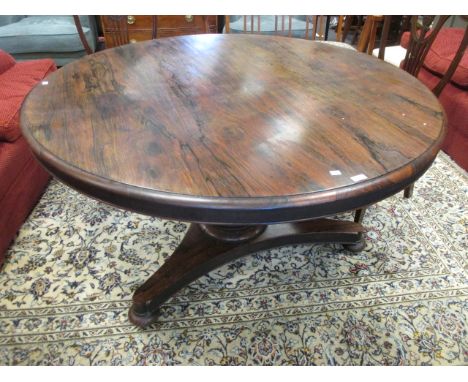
(233, 132)
(212, 120)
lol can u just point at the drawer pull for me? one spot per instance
(130, 20)
(133, 41)
(189, 18)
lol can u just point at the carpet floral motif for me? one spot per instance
(67, 283)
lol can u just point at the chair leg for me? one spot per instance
(346, 27)
(408, 193)
(373, 35)
(359, 215)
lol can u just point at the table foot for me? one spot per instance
(358, 246)
(207, 247)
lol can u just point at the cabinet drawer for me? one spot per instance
(139, 35)
(171, 32)
(176, 22)
(183, 25)
(139, 22)
(124, 29)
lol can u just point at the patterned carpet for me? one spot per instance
(68, 280)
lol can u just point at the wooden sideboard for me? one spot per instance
(119, 30)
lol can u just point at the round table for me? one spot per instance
(251, 138)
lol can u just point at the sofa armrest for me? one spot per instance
(6, 61)
(15, 84)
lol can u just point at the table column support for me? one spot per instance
(207, 247)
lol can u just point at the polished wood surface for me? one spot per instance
(234, 128)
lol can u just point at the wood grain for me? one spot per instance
(233, 128)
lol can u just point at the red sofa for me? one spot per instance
(454, 97)
(22, 179)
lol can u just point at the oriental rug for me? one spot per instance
(67, 283)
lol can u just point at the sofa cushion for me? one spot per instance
(42, 34)
(60, 58)
(442, 52)
(6, 61)
(15, 84)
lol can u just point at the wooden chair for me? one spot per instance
(311, 27)
(117, 28)
(79, 28)
(365, 27)
(420, 42)
(354, 24)
(420, 45)
(421, 39)
(368, 35)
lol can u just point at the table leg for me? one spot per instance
(207, 247)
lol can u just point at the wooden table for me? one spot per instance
(250, 138)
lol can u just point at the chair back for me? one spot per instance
(421, 40)
(307, 27)
(81, 34)
(117, 28)
(368, 34)
(365, 27)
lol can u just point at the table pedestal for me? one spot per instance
(207, 247)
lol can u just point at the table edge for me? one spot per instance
(236, 210)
